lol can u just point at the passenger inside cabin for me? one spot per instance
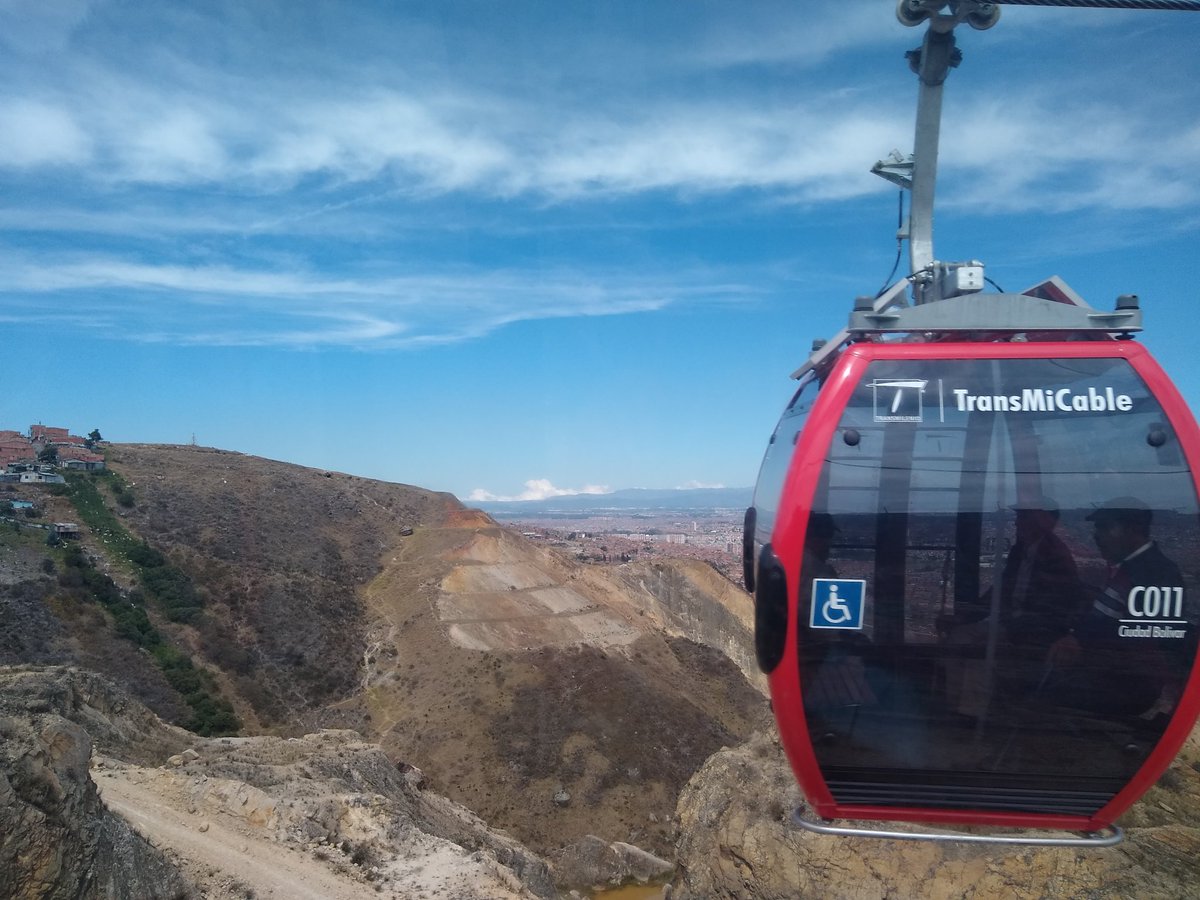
(1128, 652)
(1040, 597)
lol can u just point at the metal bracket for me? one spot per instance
(1110, 837)
(994, 313)
(1050, 307)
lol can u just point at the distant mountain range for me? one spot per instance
(628, 500)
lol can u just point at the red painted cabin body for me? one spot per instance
(953, 630)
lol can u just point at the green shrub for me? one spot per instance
(134, 625)
(211, 715)
(145, 556)
(173, 590)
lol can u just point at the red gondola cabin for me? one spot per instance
(974, 567)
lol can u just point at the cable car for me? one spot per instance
(974, 545)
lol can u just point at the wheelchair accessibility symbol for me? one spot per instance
(838, 603)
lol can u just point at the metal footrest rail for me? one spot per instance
(1109, 837)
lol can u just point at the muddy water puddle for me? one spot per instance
(632, 892)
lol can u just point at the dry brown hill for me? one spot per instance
(279, 554)
(516, 676)
(553, 699)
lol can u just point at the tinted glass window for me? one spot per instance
(1027, 538)
(778, 458)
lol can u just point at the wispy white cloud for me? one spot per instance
(493, 147)
(490, 145)
(180, 146)
(1011, 155)
(220, 305)
(811, 35)
(538, 489)
(816, 150)
(696, 485)
(221, 148)
(33, 133)
(167, 119)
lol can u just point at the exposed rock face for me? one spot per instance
(693, 600)
(735, 841)
(56, 837)
(327, 815)
(538, 692)
(503, 595)
(595, 863)
(332, 789)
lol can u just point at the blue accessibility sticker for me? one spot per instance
(838, 603)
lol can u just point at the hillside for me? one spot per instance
(540, 693)
(277, 554)
(555, 700)
(427, 702)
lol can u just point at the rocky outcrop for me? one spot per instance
(594, 863)
(736, 842)
(56, 837)
(580, 718)
(328, 811)
(333, 790)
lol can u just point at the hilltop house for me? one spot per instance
(30, 473)
(70, 457)
(71, 449)
(15, 448)
(43, 434)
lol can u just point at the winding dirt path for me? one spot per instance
(227, 859)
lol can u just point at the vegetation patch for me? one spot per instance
(212, 714)
(173, 590)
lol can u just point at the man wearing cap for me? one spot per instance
(1096, 667)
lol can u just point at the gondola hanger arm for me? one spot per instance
(933, 279)
(929, 278)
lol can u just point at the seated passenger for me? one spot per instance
(1040, 597)
(1104, 666)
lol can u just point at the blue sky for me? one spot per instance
(508, 249)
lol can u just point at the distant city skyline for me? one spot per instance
(532, 250)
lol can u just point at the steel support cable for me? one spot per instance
(1183, 5)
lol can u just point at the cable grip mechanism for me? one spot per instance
(978, 14)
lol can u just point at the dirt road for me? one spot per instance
(228, 839)
(226, 859)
